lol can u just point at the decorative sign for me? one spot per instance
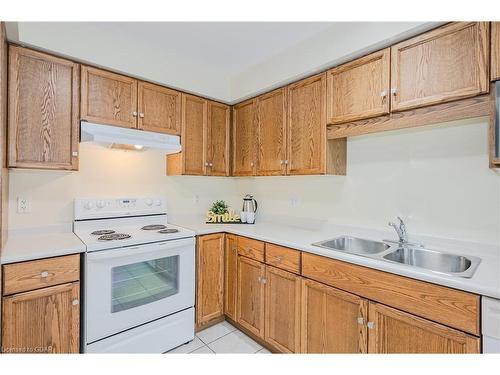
(227, 218)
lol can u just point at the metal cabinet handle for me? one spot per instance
(263, 280)
(141, 115)
(286, 162)
(370, 325)
(44, 274)
(251, 164)
(206, 164)
(361, 321)
(383, 93)
(75, 302)
(394, 91)
(278, 258)
(134, 113)
(282, 162)
(234, 248)
(74, 153)
(210, 164)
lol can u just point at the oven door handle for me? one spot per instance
(143, 249)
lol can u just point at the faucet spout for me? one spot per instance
(400, 230)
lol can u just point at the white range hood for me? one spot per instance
(109, 135)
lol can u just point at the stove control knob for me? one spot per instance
(157, 202)
(88, 205)
(100, 204)
(149, 202)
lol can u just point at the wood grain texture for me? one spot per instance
(36, 274)
(478, 106)
(210, 278)
(336, 156)
(245, 138)
(108, 98)
(191, 160)
(230, 276)
(251, 302)
(360, 88)
(495, 51)
(330, 320)
(444, 64)
(282, 310)
(283, 257)
(43, 110)
(306, 132)
(4, 172)
(271, 136)
(250, 248)
(457, 309)
(218, 131)
(159, 109)
(494, 157)
(42, 321)
(399, 332)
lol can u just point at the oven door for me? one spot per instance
(130, 286)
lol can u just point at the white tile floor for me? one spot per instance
(221, 338)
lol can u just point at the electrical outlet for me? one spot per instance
(294, 201)
(23, 205)
(196, 199)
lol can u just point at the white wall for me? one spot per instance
(110, 173)
(437, 176)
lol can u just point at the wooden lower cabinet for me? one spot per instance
(210, 279)
(395, 331)
(45, 320)
(282, 310)
(250, 306)
(332, 321)
(230, 276)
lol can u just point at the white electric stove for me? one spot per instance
(139, 287)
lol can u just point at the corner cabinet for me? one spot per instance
(445, 64)
(217, 144)
(244, 138)
(43, 123)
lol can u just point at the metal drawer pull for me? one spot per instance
(361, 321)
(394, 91)
(234, 248)
(44, 274)
(141, 115)
(134, 114)
(370, 325)
(279, 258)
(383, 93)
(75, 302)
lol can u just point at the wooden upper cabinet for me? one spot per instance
(307, 126)
(282, 311)
(108, 98)
(495, 51)
(333, 321)
(395, 331)
(210, 278)
(250, 306)
(271, 159)
(218, 124)
(159, 109)
(230, 275)
(244, 138)
(47, 320)
(445, 64)
(359, 89)
(43, 123)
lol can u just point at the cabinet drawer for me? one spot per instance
(444, 305)
(283, 257)
(25, 276)
(252, 249)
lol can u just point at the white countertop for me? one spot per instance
(30, 244)
(485, 281)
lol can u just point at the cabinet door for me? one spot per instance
(271, 158)
(333, 321)
(108, 98)
(495, 51)
(43, 110)
(218, 139)
(230, 276)
(193, 137)
(46, 320)
(159, 109)
(210, 278)
(445, 64)
(250, 306)
(244, 138)
(395, 331)
(307, 126)
(359, 89)
(282, 312)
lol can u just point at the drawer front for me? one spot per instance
(283, 257)
(444, 305)
(26, 276)
(252, 249)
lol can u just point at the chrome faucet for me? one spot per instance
(401, 231)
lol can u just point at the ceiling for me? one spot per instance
(227, 61)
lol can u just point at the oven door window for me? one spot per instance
(141, 283)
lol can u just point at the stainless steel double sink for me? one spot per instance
(407, 254)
